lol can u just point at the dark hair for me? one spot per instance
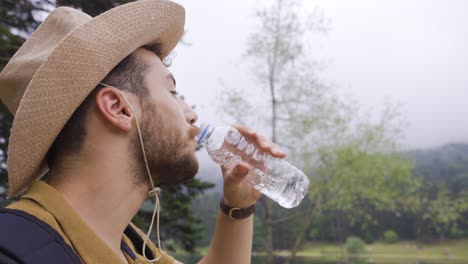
(128, 75)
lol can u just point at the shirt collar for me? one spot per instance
(88, 245)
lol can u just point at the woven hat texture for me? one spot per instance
(62, 62)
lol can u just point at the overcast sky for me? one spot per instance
(413, 51)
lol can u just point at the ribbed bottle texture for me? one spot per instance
(275, 178)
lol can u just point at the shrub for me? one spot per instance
(355, 245)
(368, 237)
(314, 233)
(390, 236)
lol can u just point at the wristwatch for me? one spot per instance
(237, 213)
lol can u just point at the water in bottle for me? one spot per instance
(275, 178)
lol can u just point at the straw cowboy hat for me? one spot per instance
(62, 62)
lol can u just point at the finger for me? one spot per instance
(246, 131)
(264, 144)
(278, 152)
(270, 147)
(254, 137)
(261, 141)
(238, 173)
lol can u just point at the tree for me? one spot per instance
(357, 173)
(181, 225)
(19, 18)
(442, 212)
(353, 163)
(274, 47)
(442, 204)
(93, 8)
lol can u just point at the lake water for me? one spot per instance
(261, 260)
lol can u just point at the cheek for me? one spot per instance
(173, 112)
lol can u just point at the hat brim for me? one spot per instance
(74, 69)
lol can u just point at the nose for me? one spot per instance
(191, 116)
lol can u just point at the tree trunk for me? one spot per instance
(268, 228)
(441, 237)
(300, 239)
(268, 202)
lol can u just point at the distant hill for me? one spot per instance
(447, 153)
(447, 163)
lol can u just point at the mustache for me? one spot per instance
(194, 131)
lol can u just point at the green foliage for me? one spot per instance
(314, 233)
(258, 243)
(93, 8)
(18, 19)
(355, 168)
(286, 234)
(357, 260)
(276, 50)
(180, 223)
(442, 205)
(9, 43)
(20, 15)
(438, 197)
(443, 212)
(390, 236)
(355, 245)
(361, 183)
(6, 120)
(206, 208)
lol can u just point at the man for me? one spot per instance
(97, 112)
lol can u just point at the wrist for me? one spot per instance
(238, 203)
(237, 212)
(240, 199)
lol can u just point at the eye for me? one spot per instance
(176, 94)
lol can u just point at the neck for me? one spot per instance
(103, 192)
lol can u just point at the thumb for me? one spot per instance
(238, 173)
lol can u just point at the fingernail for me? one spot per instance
(277, 150)
(242, 171)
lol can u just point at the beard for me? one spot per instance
(170, 157)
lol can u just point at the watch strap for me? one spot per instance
(235, 212)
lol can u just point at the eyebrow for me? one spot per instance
(170, 76)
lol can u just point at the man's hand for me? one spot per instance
(232, 240)
(237, 191)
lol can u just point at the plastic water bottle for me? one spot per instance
(275, 178)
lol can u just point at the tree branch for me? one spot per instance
(291, 217)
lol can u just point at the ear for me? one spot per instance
(114, 109)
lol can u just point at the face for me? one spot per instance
(167, 129)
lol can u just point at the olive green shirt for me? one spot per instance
(49, 205)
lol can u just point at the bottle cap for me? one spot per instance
(203, 132)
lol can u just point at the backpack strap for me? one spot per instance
(26, 239)
(137, 241)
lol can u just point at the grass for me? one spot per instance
(400, 252)
(450, 249)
